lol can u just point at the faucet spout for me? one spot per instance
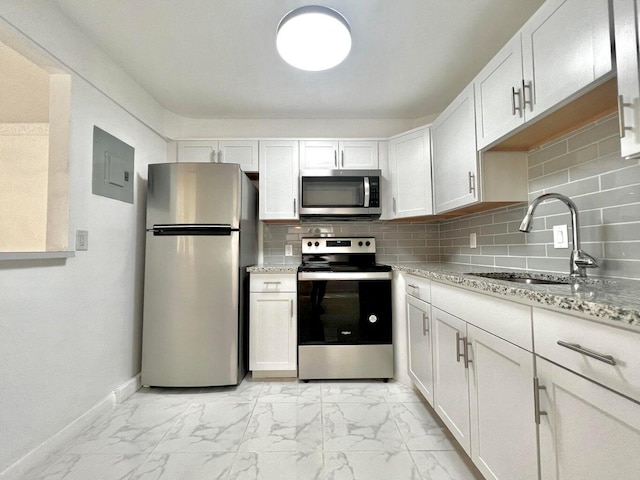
(579, 260)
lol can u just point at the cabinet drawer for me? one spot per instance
(418, 287)
(507, 320)
(273, 282)
(623, 346)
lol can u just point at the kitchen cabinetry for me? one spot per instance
(563, 48)
(279, 180)
(419, 335)
(483, 380)
(626, 17)
(242, 152)
(339, 154)
(273, 341)
(409, 157)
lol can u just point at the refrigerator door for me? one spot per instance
(191, 328)
(193, 193)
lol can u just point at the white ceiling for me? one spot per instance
(217, 58)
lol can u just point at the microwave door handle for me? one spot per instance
(366, 192)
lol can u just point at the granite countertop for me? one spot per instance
(615, 301)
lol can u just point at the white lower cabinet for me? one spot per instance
(420, 345)
(273, 342)
(587, 432)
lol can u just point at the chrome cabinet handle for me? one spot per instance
(465, 351)
(621, 123)
(394, 205)
(212, 156)
(589, 353)
(515, 109)
(472, 182)
(425, 328)
(271, 283)
(295, 207)
(459, 354)
(291, 308)
(342, 158)
(412, 285)
(219, 156)
(335, 158)
(525, 86)
(536, 400)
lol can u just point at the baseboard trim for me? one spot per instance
(38, 455)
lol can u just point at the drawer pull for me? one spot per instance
(589, 353)
(271, 283)
(412, 286)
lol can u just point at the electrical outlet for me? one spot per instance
(288, 250)
(82, 240)
(560, 239)
(473, 241)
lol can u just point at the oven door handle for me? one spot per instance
(345, 275)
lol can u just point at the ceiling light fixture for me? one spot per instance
(313, 38)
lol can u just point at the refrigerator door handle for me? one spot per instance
(197, 229)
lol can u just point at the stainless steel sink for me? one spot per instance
(530, 279)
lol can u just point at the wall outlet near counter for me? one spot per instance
(82, 240)
(473, 243)
(288, 250)
(560, 236)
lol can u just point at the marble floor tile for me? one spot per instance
(360, 426)
(444, 466)
(186, 466)
(278, 465)
(91, 466)
(294, 391)
(136, 426)
(419, 429)
(399, 393)
(284, 427)
(370, 466)
(247, 392)
(354, 391)
(207, 427)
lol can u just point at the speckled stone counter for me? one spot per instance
(273, 268)
(610, 300)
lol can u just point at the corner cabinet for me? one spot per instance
(455, 157)
(339, 154)
(626, 14)
(242, 152)
(279, 180)
(409, 158)
(273, 341)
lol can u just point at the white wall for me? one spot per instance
(70, 330)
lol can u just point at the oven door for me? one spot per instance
(344, 308)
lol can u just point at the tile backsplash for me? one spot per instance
(584, 165)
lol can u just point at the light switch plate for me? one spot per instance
(560, 239)
(288, 250)
(82, 240)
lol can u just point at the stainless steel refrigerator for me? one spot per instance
(201, 236)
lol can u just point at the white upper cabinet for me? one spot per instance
(279, 180)
(242, 152)
(455, 157)
(626, 16)
(339, 154)
(410, 174)
(563, 48)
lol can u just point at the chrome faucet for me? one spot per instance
(579, 260)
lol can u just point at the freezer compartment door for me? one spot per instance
(193, 193)
(191, 318)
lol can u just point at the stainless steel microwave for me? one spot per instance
(340, 194)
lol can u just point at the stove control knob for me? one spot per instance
(317, 244)
(368, 243)
(309, 244)
(373, 319)
(359, 244)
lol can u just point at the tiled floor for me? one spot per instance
(267, 431)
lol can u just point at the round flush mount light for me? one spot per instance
(313, 38)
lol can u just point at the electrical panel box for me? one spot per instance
(113, 172)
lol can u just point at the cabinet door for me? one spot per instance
(322, 154)
(455, 157)
(626, 16)
(502, 419)
(279, 180)
(498, 94)
(242, 152)
(272, 331)
(410, 170)
(451, 378)
(197, 151)
(566, 45)
(420, 350)
(358, 155)
(588, 431)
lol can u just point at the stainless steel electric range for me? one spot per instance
(344, 310)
